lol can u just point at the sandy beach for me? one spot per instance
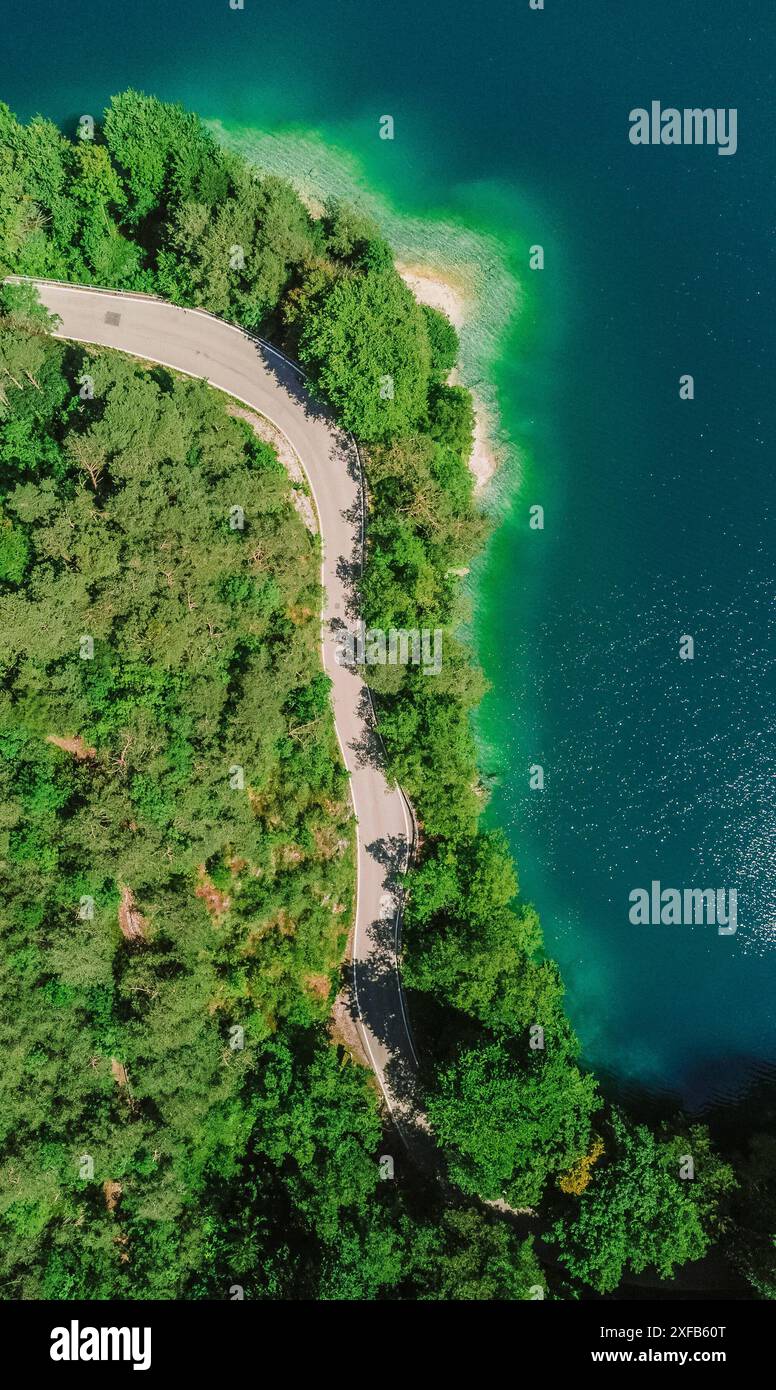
(443, 290)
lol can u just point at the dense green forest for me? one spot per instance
(258, 1164)
(176, 1116)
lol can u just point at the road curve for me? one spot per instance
(196, 343)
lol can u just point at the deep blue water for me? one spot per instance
(659, 513)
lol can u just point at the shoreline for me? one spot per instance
(441, 262)
(443, 289)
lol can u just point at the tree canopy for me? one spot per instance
(366, 345)
(645, 1206)
(175, 840)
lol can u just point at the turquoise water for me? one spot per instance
(510, 130)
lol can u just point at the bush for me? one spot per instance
(443, 341)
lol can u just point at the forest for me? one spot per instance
(176, 848)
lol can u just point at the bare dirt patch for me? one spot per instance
(317, 985)
(118, 1071)
(133, 924)
(343, 1030)
(111, 1191)
(73, 744)
(217, 903)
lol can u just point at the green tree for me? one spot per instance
(451, 418)
(752, 1238)
(468, 1255)
(20, 307)
(638, 1212)
(443, 342)
(366, 347)
(509, 1122)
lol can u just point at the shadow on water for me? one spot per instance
(746, 1106)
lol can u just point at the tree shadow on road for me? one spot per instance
(368, 747)
(375, 1001)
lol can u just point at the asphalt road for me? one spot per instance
(200, 345)
(193, 342)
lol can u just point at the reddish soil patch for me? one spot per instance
(217, 903)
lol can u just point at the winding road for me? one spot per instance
(198, 344)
